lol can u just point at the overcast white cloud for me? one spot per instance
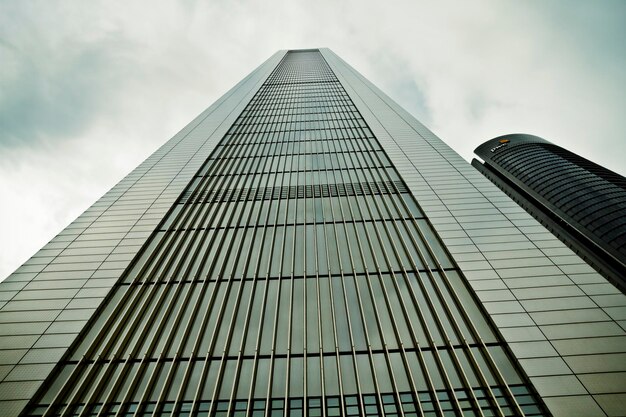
(90, 89)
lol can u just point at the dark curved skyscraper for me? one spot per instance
(583, 203)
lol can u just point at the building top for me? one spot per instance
(487, 150)
(581, 195)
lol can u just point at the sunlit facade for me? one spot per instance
(306, 248)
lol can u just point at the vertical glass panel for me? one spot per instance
(420, 378)
(269, 316)
(246, 251)
(331, 378)
(279, 377)
(262, 378)
(439, 308)
(278, 256)
(296, 377)
(356, 322)
(266, 251)
(382, 372)
(227, 318)
(228, 379)
(434, 244)
(470, 307)
(283, 317)
(328, 336)
(194, 380)
(364, 251)
(322, 256)
(161, 375)
(451, 369)
(331, 244)
(365, 373)
(348, 377)
(181, 329)
(155, 320)
(341, 316)
(313, 376)
(451, 303)
(309, 248)
(255, 254)
(350, 247)
(312, 319)
(294, 251)
(255, 317)
(433, 370)
(386, 324)
(350, 207)
(292, 209)
(342, 247)
(504, 364)
(468, 368)
(237, 331)
(297, 324)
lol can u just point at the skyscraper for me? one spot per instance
(581, 202)
(305, 247)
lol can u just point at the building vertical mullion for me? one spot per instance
(473, 330)
(405, 247)
(183, 305)
(133, 315)
(450, 316)
(331, 172)
(222, 361)
(386, 295)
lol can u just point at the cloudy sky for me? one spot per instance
(90, 89)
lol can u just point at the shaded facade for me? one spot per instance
(582, 202)
(305, 247)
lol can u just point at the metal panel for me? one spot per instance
(520, 271)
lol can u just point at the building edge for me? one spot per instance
(23, 338)
(524, 313)
(608, 266)
(599, 253)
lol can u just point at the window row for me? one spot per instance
(296, 136)
(275, 85)
(430, 375)
(334, 106)
(274, 90)
(296, 209)
(265, 118)
(423, 403)
(294, 148)
(293, 250)
(308, 162)
(287, 95)
(355, 181)
(205, 193)
(298, 126)
(291, 105)
(280, 316)
(298, 101)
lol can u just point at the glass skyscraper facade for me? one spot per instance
(306, 248)
(580, 201)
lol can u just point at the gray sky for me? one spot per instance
(89, 89)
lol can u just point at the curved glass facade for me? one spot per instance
(576, 194)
